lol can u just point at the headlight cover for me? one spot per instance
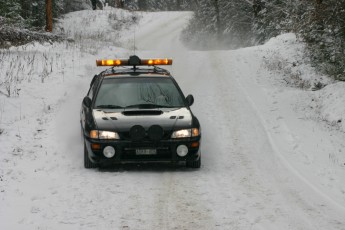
(98, 134)
(184, 133)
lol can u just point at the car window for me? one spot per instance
(90, 94)
(93, 88)
(126, 92)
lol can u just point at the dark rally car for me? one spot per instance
(138, 115)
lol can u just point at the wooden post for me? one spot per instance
(49, 15)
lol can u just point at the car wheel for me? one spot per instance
(87, 162)
(194, 164)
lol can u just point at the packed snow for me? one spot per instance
(273, 151)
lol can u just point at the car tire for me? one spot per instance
(194, 164)
(88, 164)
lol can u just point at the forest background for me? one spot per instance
(216, 24)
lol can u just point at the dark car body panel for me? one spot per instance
(169, 119)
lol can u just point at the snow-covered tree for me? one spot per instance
(324, 31)
(159, 5)
(203, 30)
(221, 23)
(10, 9)
(75, 5)
(237, 22)
(27, 14)
(245, 22)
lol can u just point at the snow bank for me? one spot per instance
(332, 104)
(285, 56)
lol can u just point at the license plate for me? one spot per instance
(146, 151)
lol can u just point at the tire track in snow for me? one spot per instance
(230, 175)
(289, 137)
(237, 66)
(177, 204)
(270, 195)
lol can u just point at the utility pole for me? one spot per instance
(49, 15)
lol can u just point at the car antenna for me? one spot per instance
(134, 19)
(134, 42)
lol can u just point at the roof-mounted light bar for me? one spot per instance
(116, 62)
(134, 61)
(158, 61)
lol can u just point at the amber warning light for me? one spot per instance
(134, 61)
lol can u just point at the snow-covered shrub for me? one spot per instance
(320, 23)
(328, 105)
(286, 56)
(291, 76)
(21, 65)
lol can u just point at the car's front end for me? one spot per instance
(138, 115)
(166, 135)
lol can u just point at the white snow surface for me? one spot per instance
(272, 151)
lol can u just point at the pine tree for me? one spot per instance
(237, 23)
(324, 32)
(11, 9)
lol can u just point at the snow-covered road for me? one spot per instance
(263, 165)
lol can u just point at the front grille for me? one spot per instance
(126, 136)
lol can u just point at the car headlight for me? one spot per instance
(183, 133)
(98, 134)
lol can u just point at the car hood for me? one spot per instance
(123, 120)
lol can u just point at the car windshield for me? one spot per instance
(139, 92)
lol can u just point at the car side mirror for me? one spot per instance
(87, 102)
(190, 100)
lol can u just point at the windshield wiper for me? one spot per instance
(149, 106)
(109, 107)
(142, 106)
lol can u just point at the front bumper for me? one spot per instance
(125, 151)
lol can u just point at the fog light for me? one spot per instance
(195, 144)
(96, 146)
(109, 151)
(182, 150)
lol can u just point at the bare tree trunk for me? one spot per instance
(257, 7)
(119, 4)
(49, 15)
(94, 4)
(178, 5)
(218, 23)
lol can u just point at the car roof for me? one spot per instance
(132, 72)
